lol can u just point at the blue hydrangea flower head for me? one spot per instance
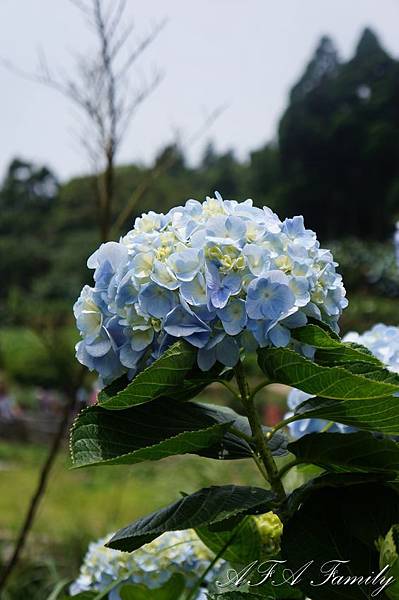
(222, 275)
(152, 565)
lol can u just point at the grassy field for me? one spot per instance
(82, 505)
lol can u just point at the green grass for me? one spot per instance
(82, 505)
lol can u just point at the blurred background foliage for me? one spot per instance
(335, 160)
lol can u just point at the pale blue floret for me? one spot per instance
(297, 319)
(142, 264)
(164, 276)
(279, 336)
(194, 291)
(140, 336)
(221, 348)
(270, 298)
(129, 357)
(220, 287)
(295, 230)
(108, 259)
(126, 292)
(260, 330)
(257, 259)
(156, 301)
(233, 316)
(107, 365)
(186, 264)
(226, 231)
(300, 288)
(88, 315)
(182, 322)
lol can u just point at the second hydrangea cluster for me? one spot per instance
(383, 341)
(152, 565)
(223, 275)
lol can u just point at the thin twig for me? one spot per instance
(38, 494)
(102, 90)
(281, 425)
(258, 388)
(159, 169)
(288, 466)
(194, 591)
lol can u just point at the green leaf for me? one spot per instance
(351, 385)
(207, 506)
(330, 350)
(277, 445)
(149, 432)
(339, 523)
(196, 381)
(316, 336)
(380, 414)
(360, 451)
(55, 593)
(162, 378)
(326, 480)
(242, 544)
(171, 590)
(287, 366)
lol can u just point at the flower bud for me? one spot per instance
(270, 529)
(389, 555)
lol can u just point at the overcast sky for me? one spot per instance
(245, 53)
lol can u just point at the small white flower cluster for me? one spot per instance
(222, 275)
(383, 341)
(152, 565)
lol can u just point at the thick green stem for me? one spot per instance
(262, 447)
(287, 467)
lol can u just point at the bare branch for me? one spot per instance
(145, 42)
(82, 7)
(114, 23)
(100, 88)
(120, 42)
(160, 168)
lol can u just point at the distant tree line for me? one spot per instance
(335, 160)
